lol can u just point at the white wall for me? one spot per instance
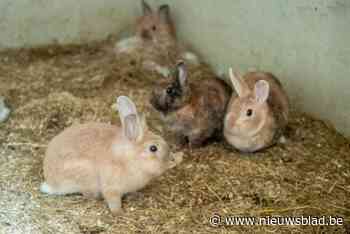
(41, 22)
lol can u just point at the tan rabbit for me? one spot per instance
(256, 119)
(100, 159)
(155, 41)
(194, 111)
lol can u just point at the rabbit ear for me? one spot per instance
(146, 9)
(181, 73)
(132, 128)
(238, 83)
(261, 90)
(125, 107)
(164, 13)
(129, 118)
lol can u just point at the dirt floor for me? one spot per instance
(49, 89)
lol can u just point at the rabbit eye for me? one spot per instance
(249, 112)
(154, 28)
(169, 90)
(153, 148)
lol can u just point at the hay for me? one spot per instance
(52, 88)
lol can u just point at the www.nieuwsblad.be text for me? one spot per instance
(218, 220)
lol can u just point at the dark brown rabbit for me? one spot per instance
(193, 111)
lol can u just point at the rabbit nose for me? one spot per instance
(155, 103)
(146, 35)
(176, 157)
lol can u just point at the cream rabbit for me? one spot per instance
(256, 118)
(100, 159)
(155, 41)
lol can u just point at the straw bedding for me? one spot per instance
(51, 88)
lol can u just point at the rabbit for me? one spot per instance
(4, 110)
(155, 40)
(258, 115)
(194, 112)
(100, 159)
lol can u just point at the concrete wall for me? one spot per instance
(41, 22)
(305, 43)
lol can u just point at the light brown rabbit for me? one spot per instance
(256, 119)
(194, 111)
(155, 41)
(100, 159)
